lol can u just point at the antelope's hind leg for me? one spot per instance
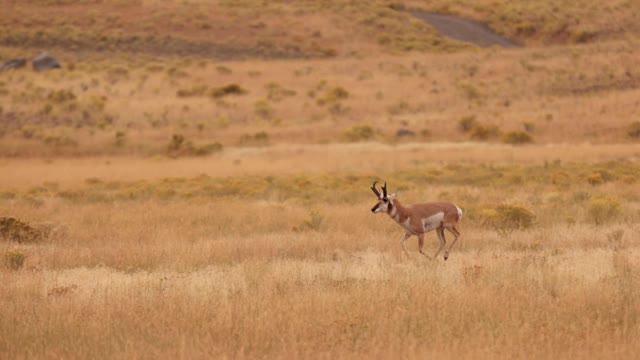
(452, 229)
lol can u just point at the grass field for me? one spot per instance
(197, 185)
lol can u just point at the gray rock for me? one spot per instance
(16, 63)
(44, 62)
(405, 133)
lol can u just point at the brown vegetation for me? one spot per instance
(194, 197)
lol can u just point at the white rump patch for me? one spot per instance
(432, 221)
(459, 213)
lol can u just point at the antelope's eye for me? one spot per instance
(385, 200)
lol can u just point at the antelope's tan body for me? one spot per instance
(418, 219)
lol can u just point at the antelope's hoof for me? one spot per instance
(446, 257)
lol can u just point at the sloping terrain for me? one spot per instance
(253, 29)
(544, 22)
(219, 29)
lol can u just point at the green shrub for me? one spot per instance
(516, 138)
(602, 210)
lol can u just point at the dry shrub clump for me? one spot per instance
(517, 138)
(314, 222)
(477, 131)
(276, 92)
(231, 89)
(62, 290)
(359, 133)
(467, 123)
(12, 229)
(261, 138)
(601, 176)
(506, 218)
(14, 259)
(179, 146)
(602, 210)
(196, 90)
(484, 132)
(634, 130)
(334, 95)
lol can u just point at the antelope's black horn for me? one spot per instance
(375, 191)
(384, 189)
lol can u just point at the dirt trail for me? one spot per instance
(464, 29)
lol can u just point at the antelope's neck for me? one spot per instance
(397, 212)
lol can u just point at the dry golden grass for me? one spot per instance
(131, 247)
(181, 279)
(301, 268)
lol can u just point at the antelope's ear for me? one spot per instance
(393, 196)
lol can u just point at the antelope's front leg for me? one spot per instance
(443, 241)
(421, 244)
(404, 238)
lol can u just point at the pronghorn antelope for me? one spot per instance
(418, 219)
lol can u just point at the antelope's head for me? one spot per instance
(384, 201)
